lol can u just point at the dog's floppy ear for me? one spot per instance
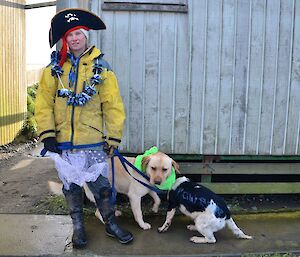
(145, 162)
(175, 166)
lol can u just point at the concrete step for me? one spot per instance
(43, 235)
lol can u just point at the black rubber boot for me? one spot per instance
(112, 228)
(75, 204)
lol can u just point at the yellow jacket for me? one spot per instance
(80, 125)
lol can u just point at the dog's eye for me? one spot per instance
(153, 168)
(165, 169)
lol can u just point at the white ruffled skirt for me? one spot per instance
(80, 166)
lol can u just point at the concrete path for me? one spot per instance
(42, 235)
(33, 235)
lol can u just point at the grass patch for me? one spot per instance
(271, 255)
(52, 205)
(57, 205)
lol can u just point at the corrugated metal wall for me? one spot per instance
(12, 69)
(222, 78)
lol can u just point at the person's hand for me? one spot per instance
(50, 144)
(109, 149)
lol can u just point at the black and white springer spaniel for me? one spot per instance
(209, 211)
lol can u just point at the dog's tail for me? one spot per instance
(236, 230)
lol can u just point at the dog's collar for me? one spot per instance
(167, 185)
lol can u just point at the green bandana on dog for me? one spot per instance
(169, 181)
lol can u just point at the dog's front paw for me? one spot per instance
(145, 226)
(163, 228)
(247, 237)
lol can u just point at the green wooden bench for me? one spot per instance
(207, 171)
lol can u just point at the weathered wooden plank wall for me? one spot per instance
(61, 4)
(12, 69)
(222, 78)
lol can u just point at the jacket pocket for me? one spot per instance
(91, 118)
(93, 127)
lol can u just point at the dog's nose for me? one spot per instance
(157, 181)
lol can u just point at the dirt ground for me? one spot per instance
(24, 188)
(23, 178)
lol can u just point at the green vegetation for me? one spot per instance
(271, 255)
(51, 205)
(57, 205)
(30, 127)
(29, 130)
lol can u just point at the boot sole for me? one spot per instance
(122, 242)
(79, 246)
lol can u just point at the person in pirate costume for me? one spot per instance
(80, 116)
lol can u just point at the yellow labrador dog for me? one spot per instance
(157, 167)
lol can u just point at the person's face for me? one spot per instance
(76, 41)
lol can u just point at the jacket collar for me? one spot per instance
(89, 54)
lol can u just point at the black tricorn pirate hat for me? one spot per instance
(71, 18)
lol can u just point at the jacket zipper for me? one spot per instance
(73, 107)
